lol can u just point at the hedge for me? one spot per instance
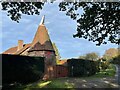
(80, 67)
(21, 69)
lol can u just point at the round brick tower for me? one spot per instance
(42, 46)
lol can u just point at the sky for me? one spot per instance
(60, 28)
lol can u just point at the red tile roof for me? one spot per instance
(10, 50)
(13, 50)
(41, 35)
(23, 49)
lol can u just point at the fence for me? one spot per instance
(60, 71)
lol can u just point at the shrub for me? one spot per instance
(80, 67)
(21, 69)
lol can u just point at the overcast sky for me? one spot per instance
(60, 27)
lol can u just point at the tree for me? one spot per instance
(56, 52)
(116, 60)
(82, 57)
(14, 9)
(99, 22)
(90, 56)
(110, 53)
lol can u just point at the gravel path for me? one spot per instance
(108, 82)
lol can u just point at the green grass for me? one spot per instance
(54, 83)
(58, 83)
(110, 72)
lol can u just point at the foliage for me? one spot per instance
(104, 65)
(21, 69)
(80, 67)
(54, 83)
(110, 53)
(110, 56)
(109, 72)
(99, 21)
(82, 57)
(15, 9)
(90, 56)
(116, 60)
(57, 84)
(56, 52)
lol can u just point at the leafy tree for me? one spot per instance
(100, 21)
(104, 65)
(90, 56)
(82, 57)
(16, 9)
(56, 52)
(109, 56)
(116, 60)
(110, 53)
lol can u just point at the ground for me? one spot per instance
(91, 82)
(104, 79)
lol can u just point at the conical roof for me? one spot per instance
(42, 37)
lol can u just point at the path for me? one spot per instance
(117, 76)
(92, 82)
(108, 82)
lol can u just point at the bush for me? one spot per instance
(21, 69)
(80, 67)
(116, 60)
(104, 64)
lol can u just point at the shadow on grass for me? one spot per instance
(73, 83)
(59, 83)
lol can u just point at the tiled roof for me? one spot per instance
(46, 46)
(23, 49)
(13, 50)
(10, 50)
(41, 35)
(41, 40)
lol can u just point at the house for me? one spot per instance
(40, 46)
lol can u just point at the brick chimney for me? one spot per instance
(20, 44)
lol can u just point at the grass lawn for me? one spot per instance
(54, 83)
(110, 72)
